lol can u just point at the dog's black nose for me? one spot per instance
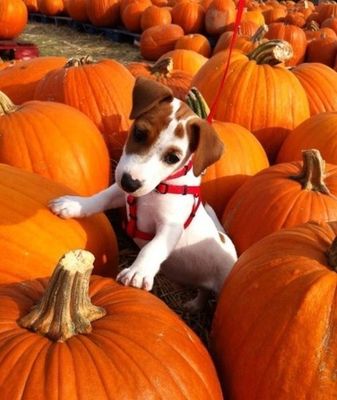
(128, 184)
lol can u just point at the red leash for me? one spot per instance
(241, 6)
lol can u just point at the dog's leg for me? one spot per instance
(80, 206)
(142, 272)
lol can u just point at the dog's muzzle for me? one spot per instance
(129, 184)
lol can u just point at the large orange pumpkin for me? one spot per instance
(19, 81)
(266, 99)
(132, 13)
(13, 18)
(189, 15)
(119, 343)
(103, 12)
(195, 42)
(282, 196)
(322, 50)
(50, 7)
(274, 330)
(95, 89)
(76, 9)
(318, 132)
(220, 17)
(55, 141)
(153, 16)
(32, 238)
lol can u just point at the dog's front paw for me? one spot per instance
(67, 207)
(136, 277)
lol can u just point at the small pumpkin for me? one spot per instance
(154, 15)
(13, 18)
(132, 13)
(189, 15)
(100, 339)
(220, 17)
(103, 12)
(77, 9)
(185, 60)
(50, 7)
(196, 42)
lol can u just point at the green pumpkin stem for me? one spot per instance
(65, 308)
(197, 103)
(313, 172)
(6, 104)
(259, 34)
(272, 52)
(162, 67)
(332, 255)
(79, 61)
(312, 26)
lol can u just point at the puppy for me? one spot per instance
(158, 180)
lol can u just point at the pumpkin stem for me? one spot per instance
(6, 104)
(65, 308)
(197, 103)
(332, 255)
(313, 172)
(272, 52)
(162, 67)
(79, 61)
(259, 34)
(312, 26)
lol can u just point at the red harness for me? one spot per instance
(163, 188)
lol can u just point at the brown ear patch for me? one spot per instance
(146, 94)
(204, 143)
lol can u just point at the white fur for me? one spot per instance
(194, 256)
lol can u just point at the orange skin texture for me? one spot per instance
(20, 80)
(50, 7)
(318, 132)
(322, 50)
(140, 350)
(76, 9)
(153, 16)
(274, 330)
(32, 238)
(195, 42)
(270, 201)
(95, 90)
(243, 157)
(132, 13)
(267, 100)
(185, 60)
(57, 142)
(320, 84)
(13, 18)
(189, 15)
(103, 12)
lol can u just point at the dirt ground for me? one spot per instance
(63, 40)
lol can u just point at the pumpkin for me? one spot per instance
(248, 28)
(322, 50)
(153, 16)
(97, 340)
(274, 330)
(103, 12)
(77, 9)
(279, 102)
(185, 60)
(162, 71)
(220, 17)
(320, 84)
(313, 31)
(50, 7)
(330, 23)
(158, 40)
(94, 88)
(295, 17)
(55, 141)
(255, 16)
(319, 132)
(31, 5)
(13, 18)
(32, 238)
(19, 81)
(282, 196)
(326, 10)
(274, 14)
(189, 15)
(132, 13)
(196, 42)
(293, 35)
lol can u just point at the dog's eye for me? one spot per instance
(171, 158)
(139, 135)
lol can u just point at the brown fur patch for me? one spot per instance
(152, 122)
(184, 111)
(179, 131)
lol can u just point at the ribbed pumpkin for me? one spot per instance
(162, 71)
(322, 50)
(293, 35)
(274, 331)
(99, 341)
(77, 9)
(189, 15)
(243, 157)
(266, 99)
(282, 196)
(132, 13)
(13, 18)
(318, 132)
(31, 5)
(55, 141)
(186, 60)
(330, 23)
(103, 12)
(94, 88)
(50, 7)
(320, 84)
(326, 10)
(19, 81)
(153, 16)
(274, 14)
(195, 42)
(313, 31)
(158, 40)
(32, 238)
(220, 17)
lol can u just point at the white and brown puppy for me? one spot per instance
(169, 146)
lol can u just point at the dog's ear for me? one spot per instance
(204, 143)
(146, 94)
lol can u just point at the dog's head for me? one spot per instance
(164, 135)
